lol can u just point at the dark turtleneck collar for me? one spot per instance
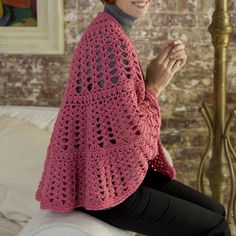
(125, 20)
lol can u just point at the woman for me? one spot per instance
(105, 156)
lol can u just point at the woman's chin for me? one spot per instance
(139, 13)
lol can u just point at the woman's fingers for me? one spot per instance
(171, 63)
(183, 61)
(178, 55)
(178, 47)
(176, 66)
(175, 50)
(165, 53)
(171, 54)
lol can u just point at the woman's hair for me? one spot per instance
(108, 1)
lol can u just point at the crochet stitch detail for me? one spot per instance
(107, 132)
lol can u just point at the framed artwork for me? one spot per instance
(32, 26)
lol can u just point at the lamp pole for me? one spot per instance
(220, 165)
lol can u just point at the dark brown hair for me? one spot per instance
(108, 1)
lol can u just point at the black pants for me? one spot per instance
(165, 207)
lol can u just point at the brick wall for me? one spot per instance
(40, 80)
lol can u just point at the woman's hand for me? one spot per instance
(162, 69)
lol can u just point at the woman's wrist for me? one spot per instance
(157, 89)
(153, 86)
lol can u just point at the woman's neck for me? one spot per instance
(125, 20)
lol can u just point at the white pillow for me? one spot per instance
(8, 227)
(22, 152)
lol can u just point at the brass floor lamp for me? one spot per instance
(223, 154)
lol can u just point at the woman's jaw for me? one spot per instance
(135, 8)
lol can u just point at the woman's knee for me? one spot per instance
(223, 212)
(222, 228)
(220, 209)
(216, 206)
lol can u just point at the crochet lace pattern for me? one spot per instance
(107, 131)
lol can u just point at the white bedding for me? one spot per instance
(74, 223)
(8, 227)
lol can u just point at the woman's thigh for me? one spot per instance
(154, 213)
(163, 183)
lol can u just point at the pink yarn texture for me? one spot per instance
(107, 131)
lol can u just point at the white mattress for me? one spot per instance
(75, 223)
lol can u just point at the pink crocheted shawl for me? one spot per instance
(107, 132)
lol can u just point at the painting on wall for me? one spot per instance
(32, 26)
(18, 13)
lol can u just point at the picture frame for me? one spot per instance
(45, 38)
